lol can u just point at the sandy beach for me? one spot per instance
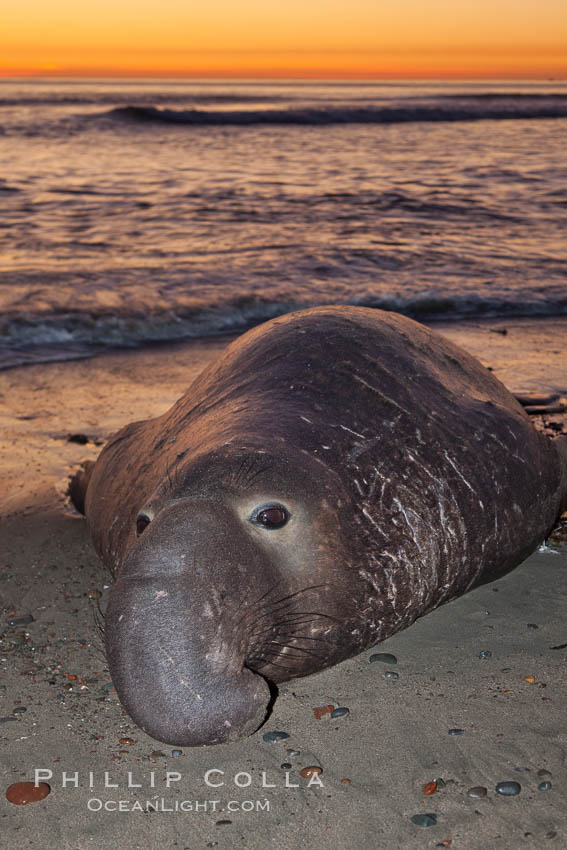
(375, 760)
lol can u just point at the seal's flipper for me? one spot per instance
(78, 484)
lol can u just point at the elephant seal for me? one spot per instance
(335, 474)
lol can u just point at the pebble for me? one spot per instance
(7, 719)
(545, 773)
(439, 782)
(157, 754)
(21, 621)
(486, 653)
(391, 674)
(545, 786)
(430, 788)
(311, 770)
(81, 439)
(533, 626)
(20, 709)
(384, 657)
(223, 822)
(321, 710)
(508, 789)
(286, 765)
(22, 793)
(339, 712)
(294, 754)
(457, 731)
(126, 741)
(272, 737)
(176, 753)
(424, 819)
(477, 791)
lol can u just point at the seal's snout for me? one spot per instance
(172, 681)
(174, 655)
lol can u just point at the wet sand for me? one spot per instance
(395, 738)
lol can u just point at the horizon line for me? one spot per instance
(280, 74)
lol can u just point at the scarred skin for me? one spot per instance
(408, 475)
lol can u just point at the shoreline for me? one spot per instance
(375, 761)
(14, 357)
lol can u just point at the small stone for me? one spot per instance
(440, 783)
(272, 737)
(340, 712)
(346, 781)
(8, 719)
(391, 674)
(157, 754)
(384, 657)
(545, 773)
(223, 822)
(486, 653)
(508, 789)
(294, 754)
(176, 753)
(21, 621)
(22, 793)
(477, 792)
(429, 788)
(457, 731)
(529, 679)
(321, 710)
(428, 819)
(125, 741)
(81, 439)
(21, 709)
(551, 834)
(212, 844)
(311, 770)
(545, 786)
(94, 594)
(533, 626)
(286, 765)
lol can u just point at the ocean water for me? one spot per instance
(157, 210)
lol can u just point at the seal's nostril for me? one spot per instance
(142, 523)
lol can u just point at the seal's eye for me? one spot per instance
(142, 523)
(272, 516)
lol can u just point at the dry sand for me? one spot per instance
(395, 738)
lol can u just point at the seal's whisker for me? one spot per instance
(264, 663)
(293, 621)
(251, 610)
(295, 648)
(303, 637)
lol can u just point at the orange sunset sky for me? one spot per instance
(285, 38)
